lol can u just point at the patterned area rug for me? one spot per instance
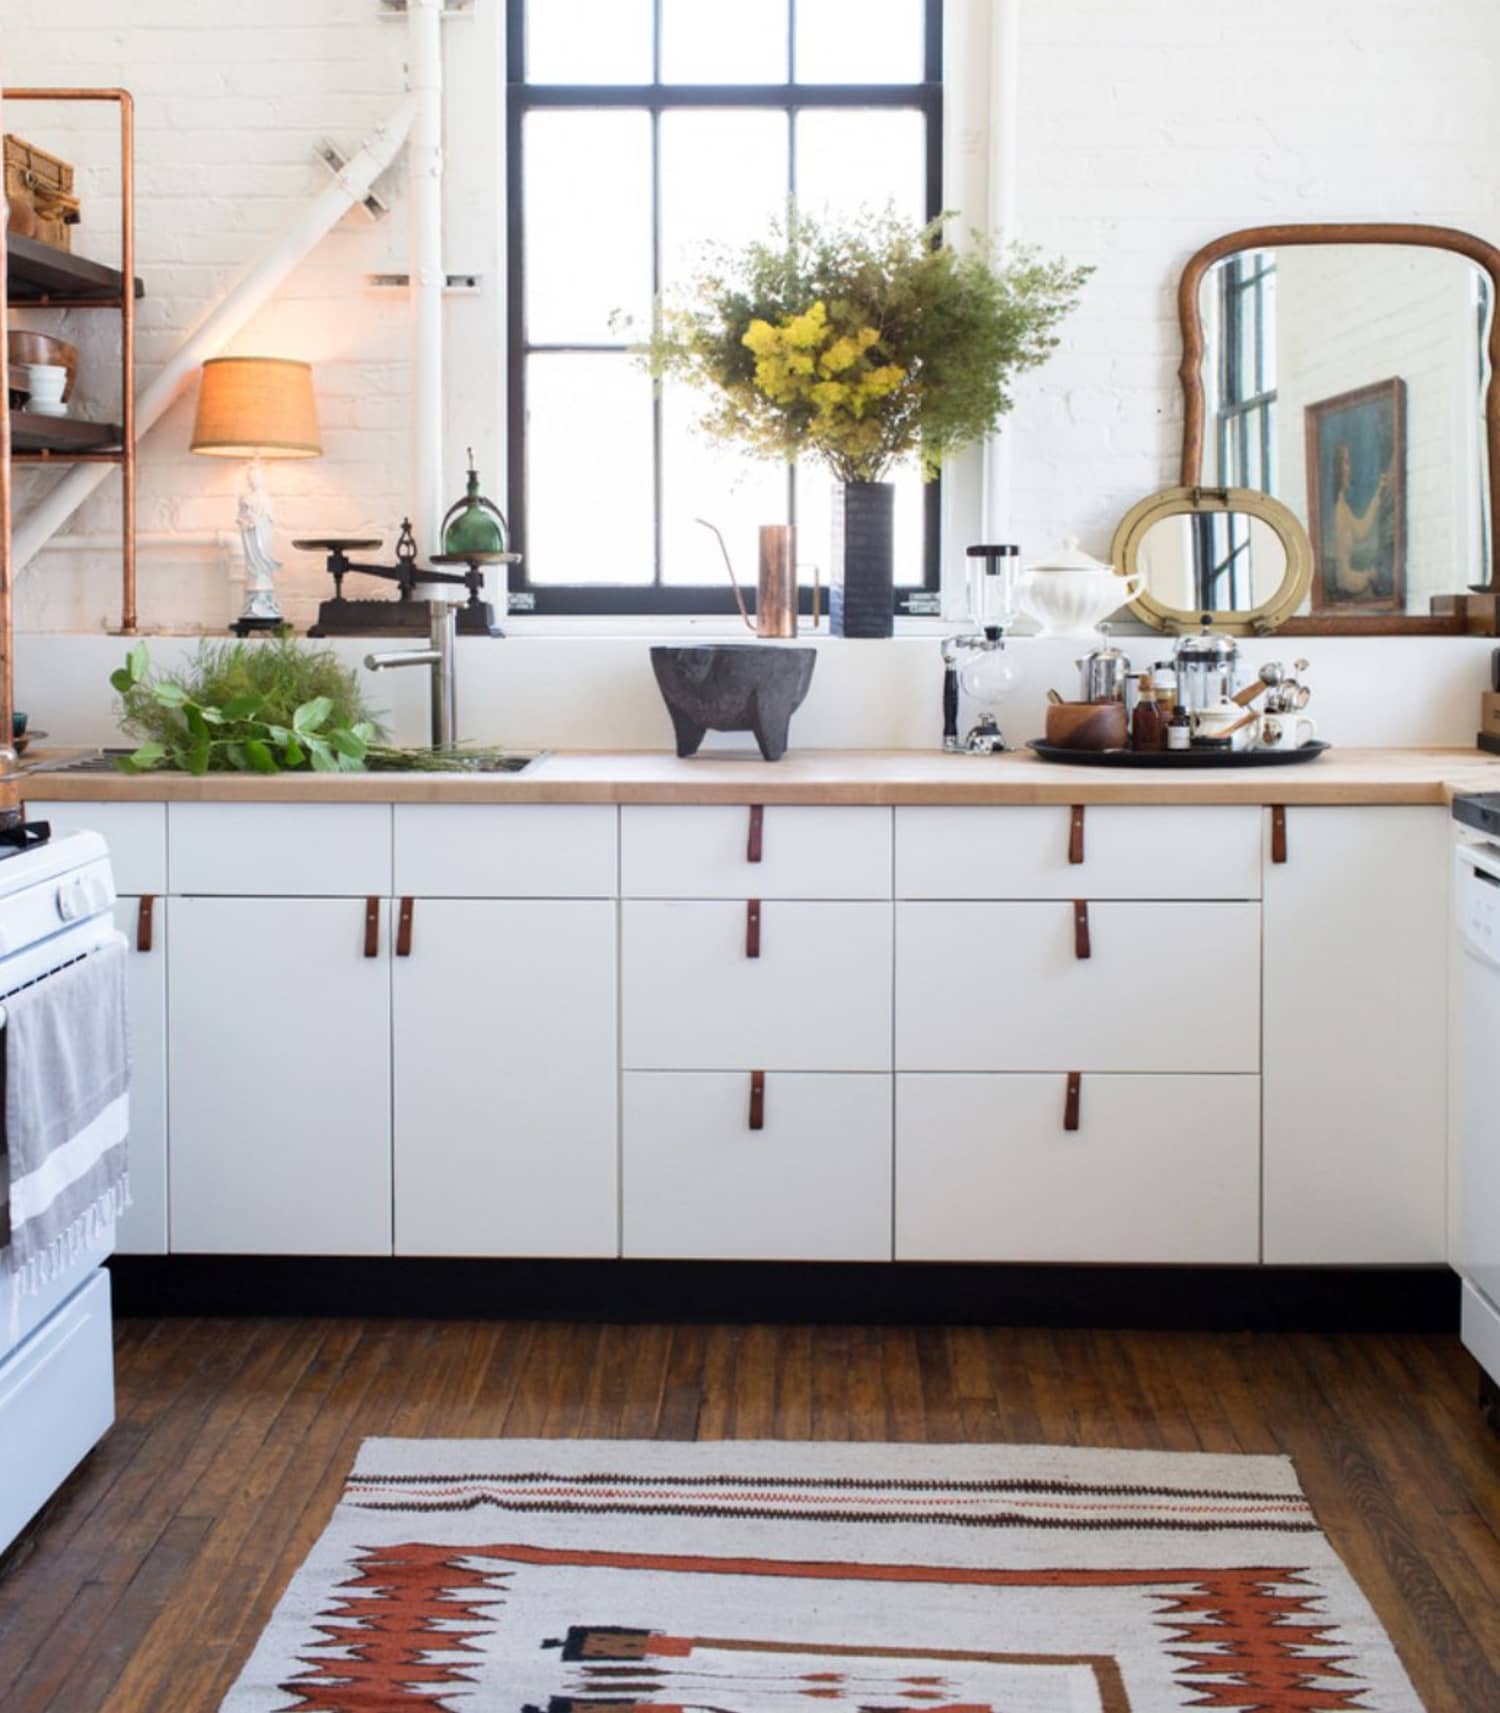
(598, 1576)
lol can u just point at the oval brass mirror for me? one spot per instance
(1229, 558)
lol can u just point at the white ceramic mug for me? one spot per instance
(1285, 731)
(45, 383)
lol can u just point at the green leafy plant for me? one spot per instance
(259, 707)
(862, 343)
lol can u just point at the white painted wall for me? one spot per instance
(1142, 131)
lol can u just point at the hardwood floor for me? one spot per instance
(146, 1582)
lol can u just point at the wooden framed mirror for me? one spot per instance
(1225, 559)
(1352, 372)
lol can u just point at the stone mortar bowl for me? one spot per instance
(733, 687)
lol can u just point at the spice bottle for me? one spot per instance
(1179, 729)
(1146, 730)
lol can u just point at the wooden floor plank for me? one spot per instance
(146, 1585)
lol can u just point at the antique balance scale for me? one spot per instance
(474, 535)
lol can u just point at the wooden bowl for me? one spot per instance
(1086, 725)
(26, 347)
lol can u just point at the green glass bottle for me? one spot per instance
(474, 527)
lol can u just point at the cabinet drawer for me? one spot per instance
(804, 853)
(818, 998)
(287, 850)
(1000, 987)
(813, 1184)
(1166, 852)
(1163, 1169)
(518, 850)
(136, 834)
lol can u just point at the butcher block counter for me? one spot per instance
(827, 777)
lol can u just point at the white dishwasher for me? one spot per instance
(1476, 1238)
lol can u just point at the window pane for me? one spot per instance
(723, 179)
(589, 492)
(859, 41)
(849, 159)
(588, 41)
(588, 223)
(702, 478)
(723, 41)
(815, 522)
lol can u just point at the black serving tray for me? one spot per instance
(1179, 758)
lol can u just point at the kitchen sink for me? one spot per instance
(488, 761)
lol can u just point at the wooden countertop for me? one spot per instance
(818, 776)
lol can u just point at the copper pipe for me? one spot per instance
(9, 790)
(126, 305)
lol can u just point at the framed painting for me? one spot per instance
(1356, 499)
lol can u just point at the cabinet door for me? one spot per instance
(506, 1078)
(143, 1230)
(279, 1035)
(813, 1183)
(1159, 1169)
(1356, 940)
(1002, 987)
(816, 998)
(715, 851)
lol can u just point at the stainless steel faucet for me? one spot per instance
(440, 655)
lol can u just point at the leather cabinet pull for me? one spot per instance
(1081, 945)
(145, 916)
(403, 928)
(752, 928)
(372, 927)
(757, 1100)
(756, 846)
(1075, 1095)
(1075, 835)
(1278, 833)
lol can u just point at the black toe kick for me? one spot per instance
(1281, 1299)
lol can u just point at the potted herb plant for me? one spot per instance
(862, 344)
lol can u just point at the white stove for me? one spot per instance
(56, 1348)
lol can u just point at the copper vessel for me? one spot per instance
(776, 581)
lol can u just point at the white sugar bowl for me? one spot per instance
(1070, 594)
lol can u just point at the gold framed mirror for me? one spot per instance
(1352, 371)
(1229, 559)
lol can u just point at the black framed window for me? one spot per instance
(1246, 419)
(636, 131)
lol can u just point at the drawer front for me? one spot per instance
(280, 850)
(1001, 987)
(1163, 1169)
(57, 1400)
(813, 1184)
(136, 834)
(804, 853)
(1166, 852)
(818, 997)
(519, 850)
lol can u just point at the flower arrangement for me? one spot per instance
(862, 343)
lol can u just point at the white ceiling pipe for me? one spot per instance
(349, 185)
(1005, 99)
(99, 542)
(424, 78)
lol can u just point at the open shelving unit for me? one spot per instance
(40, 276)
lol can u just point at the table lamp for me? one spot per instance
(254, 408)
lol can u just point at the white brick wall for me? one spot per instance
(1146, 126)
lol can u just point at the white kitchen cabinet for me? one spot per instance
(1169, 851)
(812, 1184)
(506, 1128)
(290, 850)
(1002, 987)
(1159, 1169)
(142, 1229)
(279, 1034)
(510, 850)
(136, 834)
(1356, 942)
(710, 851)
(817, 997)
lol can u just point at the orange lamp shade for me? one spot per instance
(256, 407)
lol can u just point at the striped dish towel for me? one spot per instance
(67, 1111)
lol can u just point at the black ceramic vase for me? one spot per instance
(862, 598)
